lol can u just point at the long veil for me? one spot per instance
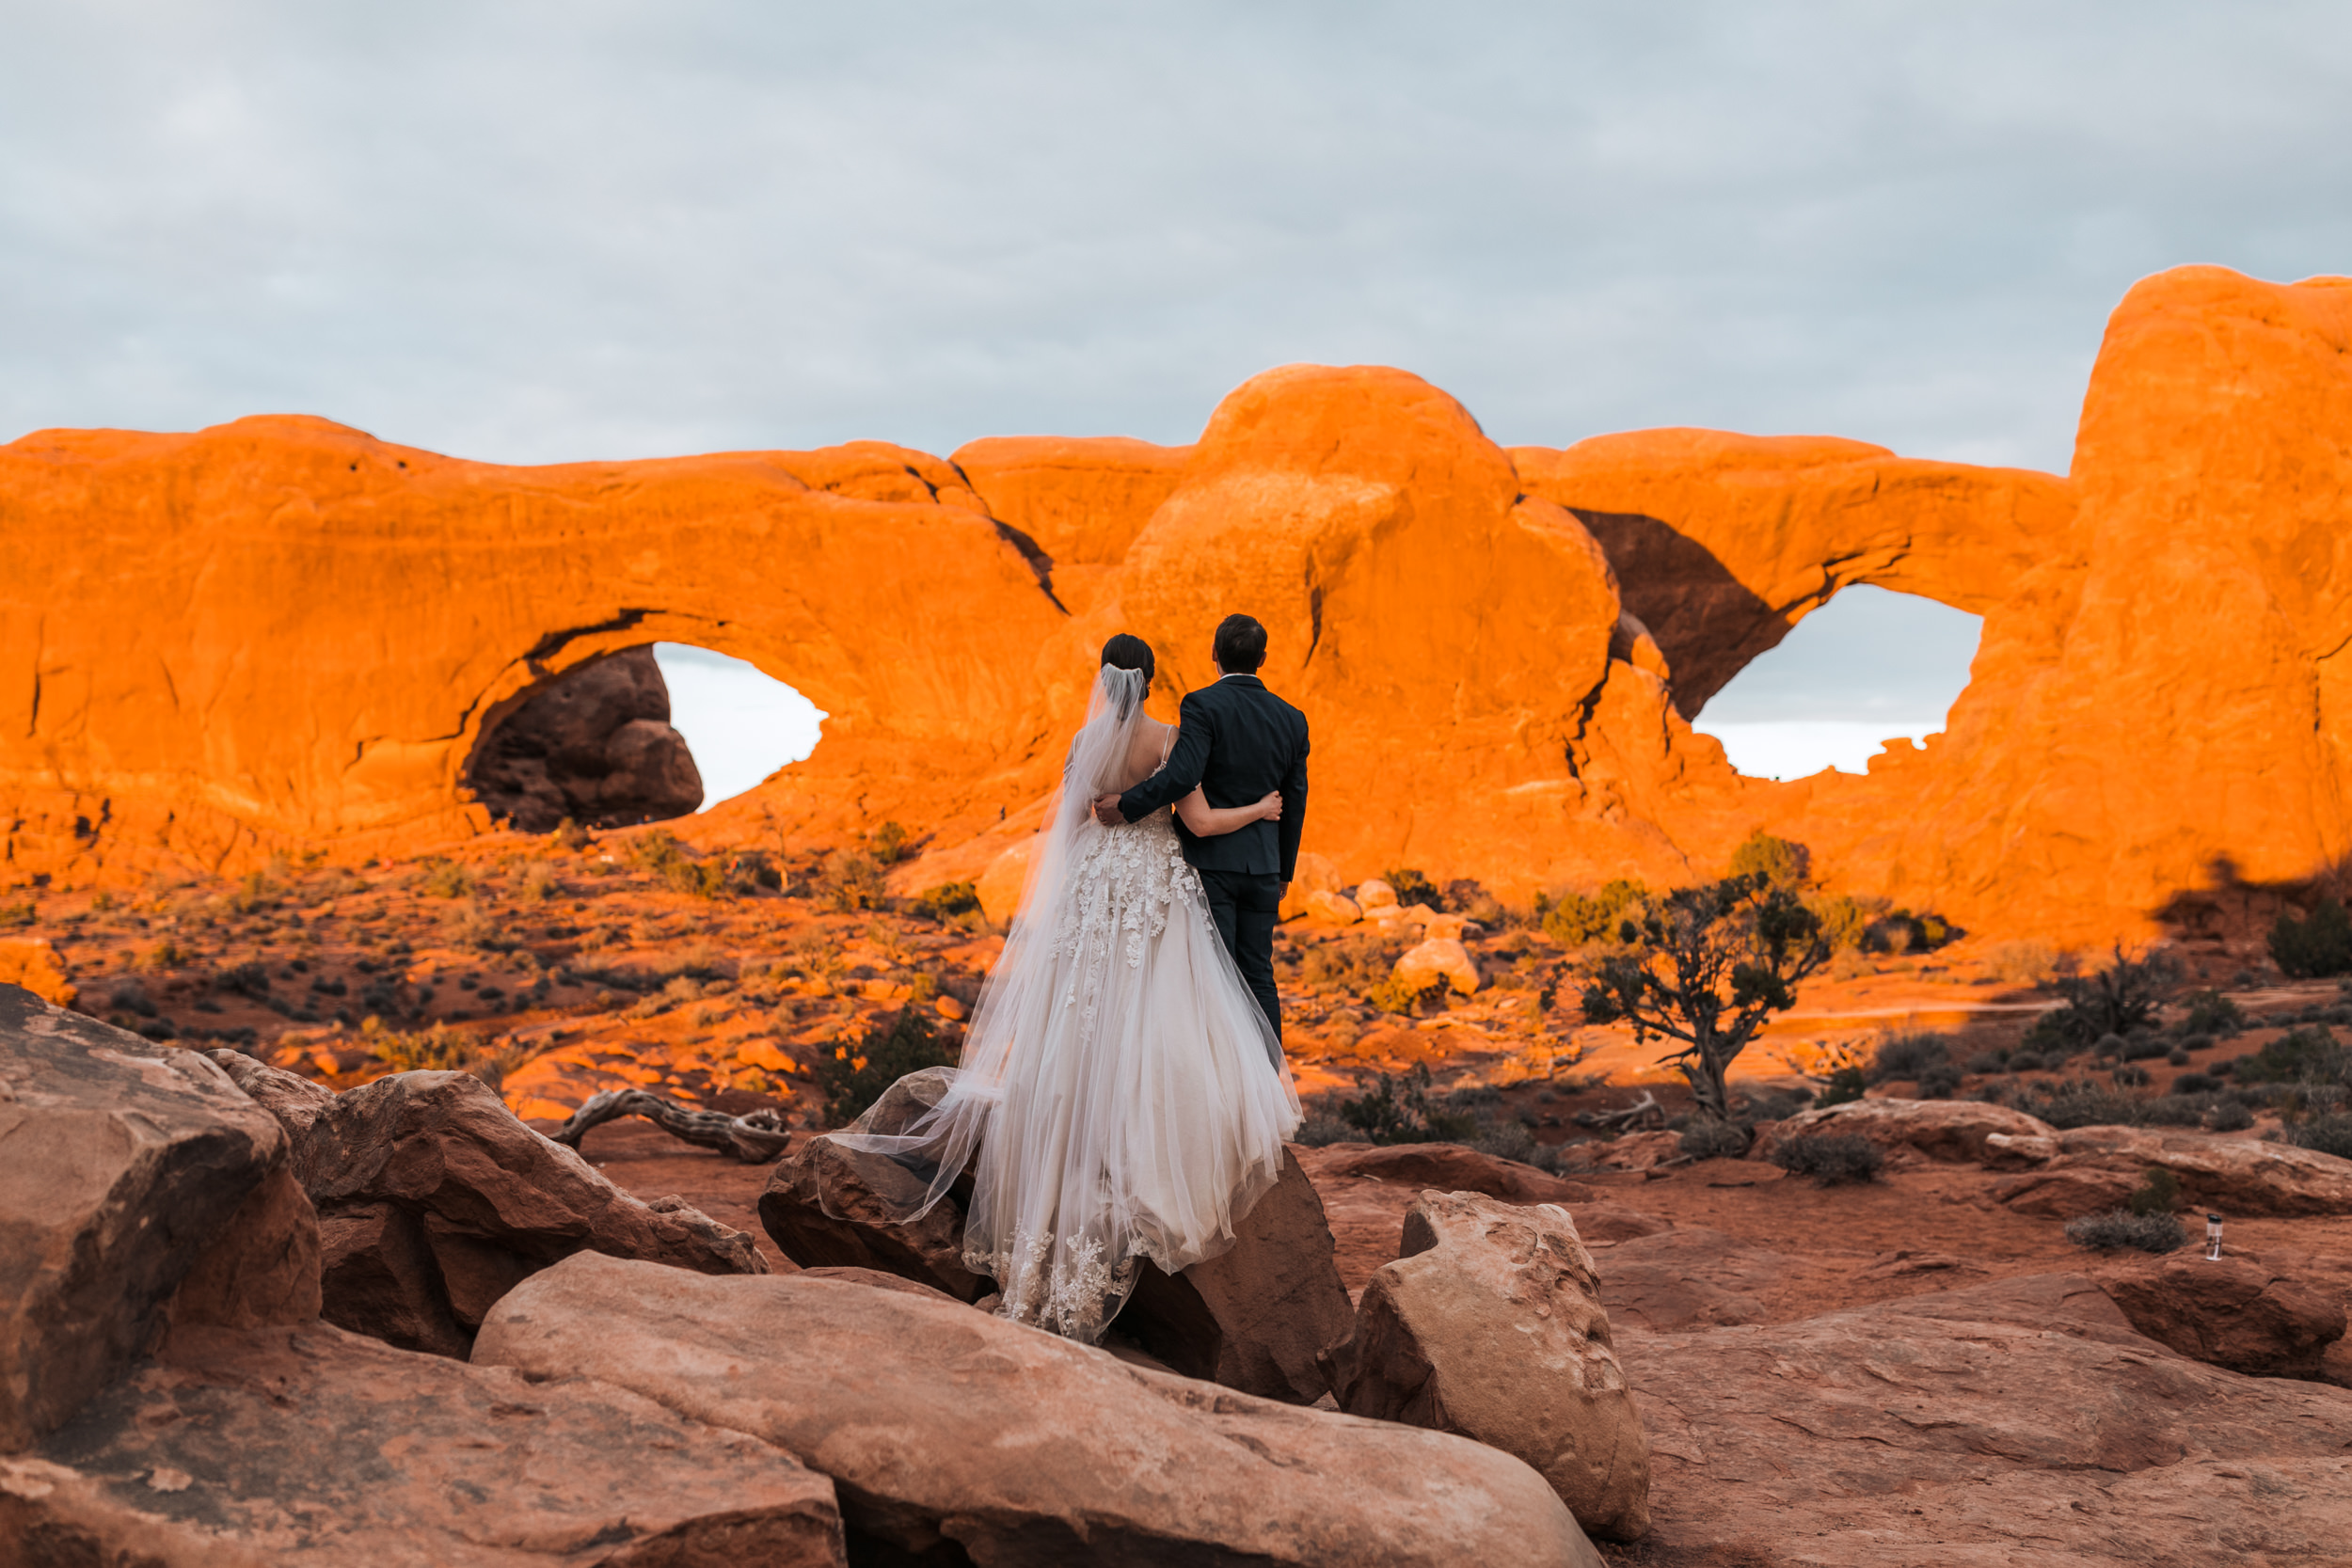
(948, 1135)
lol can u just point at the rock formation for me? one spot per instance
(1489, 1323)
(594, 745)
(281, 634)
(940, 1424)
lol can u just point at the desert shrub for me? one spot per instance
(2081, 1102)
(1940, 1082)
(1320, 1129)
(2174, 1110)
(1782, 863)
(1354, 966)
(749, 872)
(1413, 888)
(2229, 1115)
(1830, 1159)
(2194, 1083)
(854, 1074)
(1398, 995)
(1842, 1083)
(2023, 963)
(2145, 1047)
(1465, 895)
(1900, 931)
(2308, 1055)
(1704, 1139)
(2129, 1077)
(537, 884)
(1398, 1111)
(1908, 1053)
(438, 879)
(2112, 1002)
(425, 1050)
(1986, 1061)
(890, 844)
(2330, 1134)
(852, 880)
(2159, 1192)
(1577, 919)
(2120, 1228)
(2317, 944)
(16, 911)
(1845, 920)
(2212, 1015)
(947, 900)
(569, 836)
(2025, 1061)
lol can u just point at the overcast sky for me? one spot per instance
(542, 233)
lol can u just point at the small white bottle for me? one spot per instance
(2213, 1238)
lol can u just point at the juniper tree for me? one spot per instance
(1707, 966)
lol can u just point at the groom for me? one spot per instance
(1238, 740)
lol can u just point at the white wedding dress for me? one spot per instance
(1126, 1097)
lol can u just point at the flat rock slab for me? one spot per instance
(315, 1447)
(943, 1425)
(123, 1160)
(1952, 1130)
(1446, 1168)
(2021, 1421)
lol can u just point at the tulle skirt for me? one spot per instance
(1138, 1104)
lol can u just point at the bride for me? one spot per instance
(1127, 1097)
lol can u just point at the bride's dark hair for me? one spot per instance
(1129, 652)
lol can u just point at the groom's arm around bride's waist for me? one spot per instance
(1185, 763)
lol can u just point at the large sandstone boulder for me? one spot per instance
(1950, 1130)
(318, 1448)
(830, 1207)
(1439, 958)
(2233, 1311)
(434, 1201)
(593, 744)
(32, 962)
(1260, 1315)
(1491, 1325)
(2020, 1422)
(2233, 1176)
(121, 1162)
(946, 1428)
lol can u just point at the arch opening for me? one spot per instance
(640, 735)
(1867, 667)
(740, 723)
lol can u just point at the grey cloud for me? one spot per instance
(535, 233)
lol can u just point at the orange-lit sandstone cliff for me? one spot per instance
(283, 634)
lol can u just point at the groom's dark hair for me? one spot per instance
(1240, 645)
(1129, 652)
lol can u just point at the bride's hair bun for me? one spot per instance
(1129, 652)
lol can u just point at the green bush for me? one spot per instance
(1397, 1111)
(2318, 944)
(890, 843)
(2330, 1135)
(2081, 1102)
(438, 879)
(855, 1076)
(1400, 996)
(2212, 1016)
(2120, 1228)
(1845, 920)
(2309, 1054)
(948, 900)
(1905, 1054)
(2229, 1115)
(1577, 919)
(1706, 1138)
(1831, 1159)
(1413, 888)
(1842, 1083)
(1782, 863)
(2113, 1003)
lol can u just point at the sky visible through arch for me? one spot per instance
(540, 232)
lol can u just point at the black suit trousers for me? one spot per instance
(1243, 905)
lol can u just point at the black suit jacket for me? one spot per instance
(1237, 742)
